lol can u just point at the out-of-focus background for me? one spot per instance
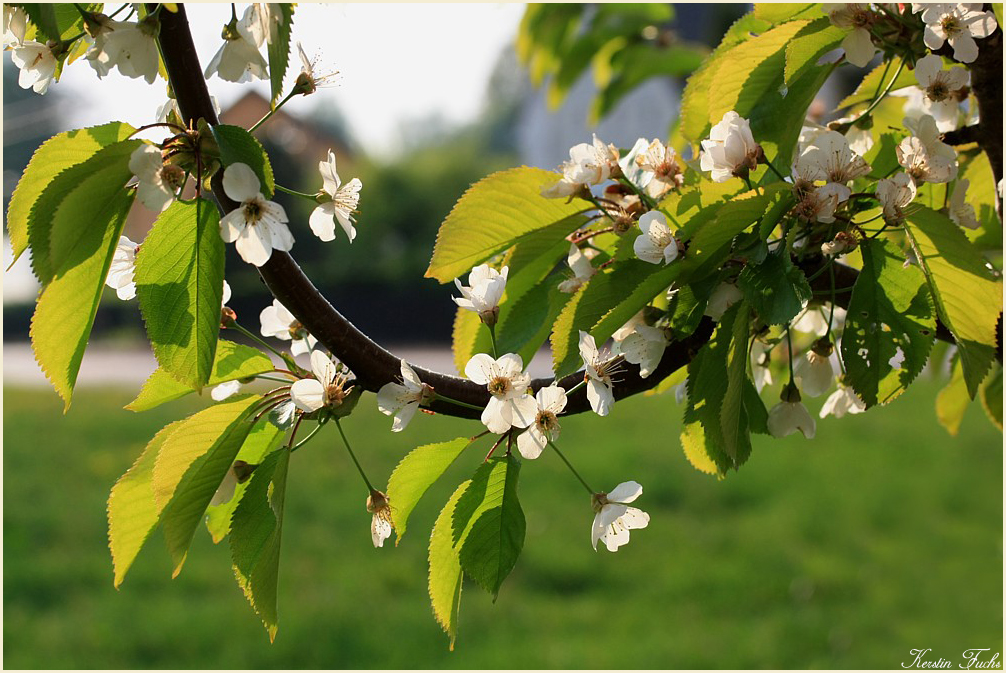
(881, 535)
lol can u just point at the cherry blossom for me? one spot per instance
(277, 321)
(730, 151)
(380, 523)
(483, 292)
(943, 89)
(578, 261)
(644, 347)
(894, 194)
(257, 226)
(722, 298)
(551, 400)
(761, 375)
(962, 212)
(327, 388)
(597, 373)
(656, 244)
(504, 378)
(785, 418)
(959, 24)
(589, 164)
(830, 158)
(841, 402)
(344, 198)
(662, 161)
(613, 518)
(858, 44)
(402, 400)
(122, 268)
(157, 182)
(15, 25)
(130, 47)
(238, 59)
(37, 64)
(923, 155)
(224, 390)
(814, 370)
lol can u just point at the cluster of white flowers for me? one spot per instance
(239, 59)
(957, 23)
(130, 47)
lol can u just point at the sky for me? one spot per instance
(395, 61)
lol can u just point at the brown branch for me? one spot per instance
(373, 365)
(962, 136)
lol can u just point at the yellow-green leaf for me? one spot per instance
(445, 577)
(953, 400)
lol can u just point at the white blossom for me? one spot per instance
(730, 149)
(402, 400)
(786, 418)
(169, 110)
(613, 518)
(662, 161)
(857, 45)
(894, 194)
(131, 47)
(226, 295)
(597, 373)
(238, 59)
(380, 523)
(483, 292)
(578, 261)
(818, 204)
(761, 375)
(815, 373)
(942, 90)
(37, 65)
(722, 298)
(15, 25)
(326, 389)
(221, 392)
(644, 347)
(157, 181)
(589, 164)
(962, 212)
(259, 23)
(504, 378)
(276, 321)
(309, 80)
(344, 200)
(257, 226)
(550, 400)
(122, 268)
(959, 24)
(656, 244)
(923, 155)
(830, 158)
(841, 402)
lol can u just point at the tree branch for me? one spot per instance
(372, 364)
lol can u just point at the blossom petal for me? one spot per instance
(480, 368)
(308, 394)
(241, 183)
(625, 492)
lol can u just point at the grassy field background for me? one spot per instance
(881, 535)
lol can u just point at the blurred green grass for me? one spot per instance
(881, 535)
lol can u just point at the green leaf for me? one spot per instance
(239, 146)
(468, 337)
(133, 513)
(54, 156)
(86, 227)
(43, 17)
(953, 400)
(890, 309)
(179, 283)
(531, 318)
(256, 533)
(231, 361)
(190, 466)
(778, 12)
(414, 475)
(992, 398)
(776, 288)
(278, 49)
(640, 62)
(811, 43)
(445, 568)
(709, 381)
(492, 215)
(733, 417)
(875, 82)
(489, 523)
(264, 438)
(969, 300)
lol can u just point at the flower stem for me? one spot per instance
(789, 349)
(492, 337)
(571, 468)
(236, 325)
(459, 403)
(577, 387)
(273, 111)
(306, 439)
(876, 101)
(353, 455)
(292, 192)
(774, 170)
